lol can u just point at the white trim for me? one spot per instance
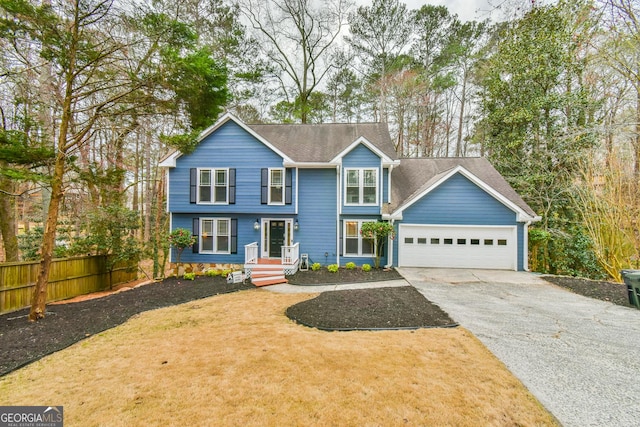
(297, 187)
(338, 210)
(361, 186)
(310, 165)
(214, 236)
(522, 216)
(511, 228)
(213, 186)
(364, 141)
(284, 184)
(360, 239)
(264, 226)
(170, 160)
(170, 230)
(390, 168)
(525, 246)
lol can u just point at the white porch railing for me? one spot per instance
(251, 253)
(290, 254)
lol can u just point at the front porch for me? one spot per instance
(269, 271)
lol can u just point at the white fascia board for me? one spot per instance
(170, 160)
(522, 216)
(308, 165)
(364, 141)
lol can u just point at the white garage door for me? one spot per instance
(449, 246)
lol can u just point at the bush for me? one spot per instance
(212, 273)
(350, 266)
(366, 267)
(189, 276)
(333, 268)
(315, 266)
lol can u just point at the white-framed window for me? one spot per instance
(361, 186)
(215, 235)
(213, 186)
(354, 244)
(276, 186)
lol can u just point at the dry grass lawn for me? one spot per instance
(236, 360)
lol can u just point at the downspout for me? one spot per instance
(338, 205)
(390, 245)
(525, 244)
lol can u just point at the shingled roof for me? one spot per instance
(323, 142)
(415, 175)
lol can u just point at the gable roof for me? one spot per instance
(308, 143)
(323, 143)
(415, 177)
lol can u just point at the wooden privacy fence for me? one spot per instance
(68, 277)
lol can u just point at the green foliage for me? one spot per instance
(20, 158)
(350, 266)
(110, 231)
(316, 266)
(366, 267)
(189, 276)
(333, 268)
(378, 231)
(31, 242)
(212, 273)
(180, 239)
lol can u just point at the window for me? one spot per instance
(213, 186)
(354, 243)
(214, 236)
(448, 241)
(276, 186)
(422, 240)
(475, 242)
(361, 186)
(408, 240)
(502, 242)
(462, 241)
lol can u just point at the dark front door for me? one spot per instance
(276, 238)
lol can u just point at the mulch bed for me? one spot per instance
(615, 293)
(369, 309)
(325, 277)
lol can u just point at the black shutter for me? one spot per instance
(196, 233)
(234, 235)
(264, 189)
(287, 188)
(193, 185)
(232, 186)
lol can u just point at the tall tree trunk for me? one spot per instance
(39, 299)
(8, 222)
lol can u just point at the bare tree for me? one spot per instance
(299, 37)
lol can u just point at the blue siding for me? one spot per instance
(360, 157)
(229, 146)
(246, 235)
(317, 214)
(385, 186)
(458, 201)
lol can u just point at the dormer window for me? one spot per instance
(361, 186)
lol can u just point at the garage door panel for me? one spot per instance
(457, 246)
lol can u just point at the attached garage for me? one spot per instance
(457, 246)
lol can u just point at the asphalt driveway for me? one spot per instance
(579, 356)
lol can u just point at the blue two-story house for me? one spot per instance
(262, 196)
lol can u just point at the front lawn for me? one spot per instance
(236, 359)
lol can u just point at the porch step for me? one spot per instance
(270, 280)
(264, 274)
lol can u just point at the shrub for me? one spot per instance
(350, 265)
(189, 276)
(315, 266)
(333, 268)
(366, 267)
(212, 273)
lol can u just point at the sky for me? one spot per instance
(468, 10)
